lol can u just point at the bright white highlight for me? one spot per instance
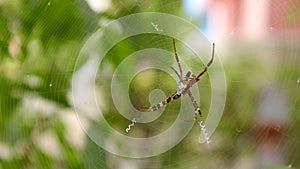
(130, 125)
(156, 27)
(203, 129)
(99, 5)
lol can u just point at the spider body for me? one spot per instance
(180, 90)
(184, 85)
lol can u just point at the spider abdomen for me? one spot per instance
(176, 96)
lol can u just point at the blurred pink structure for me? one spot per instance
(253, 19)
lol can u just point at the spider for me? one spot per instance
(184, 85)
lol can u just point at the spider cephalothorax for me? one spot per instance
(184, 84)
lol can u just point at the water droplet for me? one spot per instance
(271, 28)
(49, 3)
(298, 81)
(290, 165)
(50, 85)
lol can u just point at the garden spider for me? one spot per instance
(184, 84)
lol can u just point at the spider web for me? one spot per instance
(36, 111)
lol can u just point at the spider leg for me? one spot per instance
(208, 64)
(177, 60)
(160, 104)
(176, 73)
(195, 104)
